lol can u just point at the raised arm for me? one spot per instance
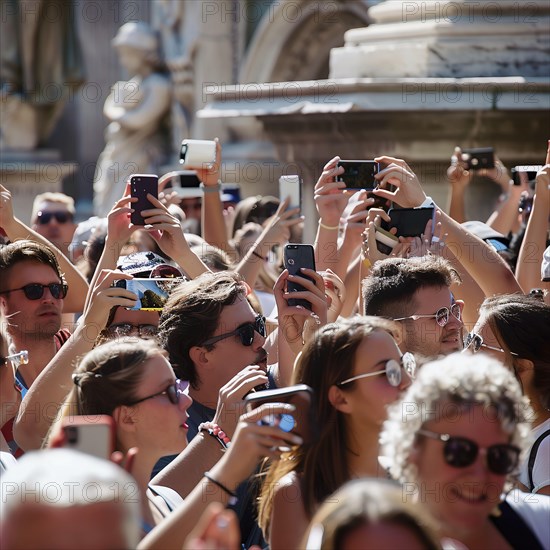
(534, 241)
(40, 407)
(15, 229)
(459, 177)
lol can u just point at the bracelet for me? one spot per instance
(215, 431)
(211, 188)
(259, 256)
(232, 495)
(329, 227)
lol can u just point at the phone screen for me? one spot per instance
(530, 173)
(152, 293)
(140, 186)
(409, 222)
(359, 174)
(290, 186)
(300, 422)
(297, 256)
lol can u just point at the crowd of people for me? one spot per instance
(428, 362)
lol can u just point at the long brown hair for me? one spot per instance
(323, 465)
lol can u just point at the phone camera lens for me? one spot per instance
(72, 435)
(290, 261)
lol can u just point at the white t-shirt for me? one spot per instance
(541, 468)
(535, 511)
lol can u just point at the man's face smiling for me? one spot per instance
(425, 336)
(36, 319)
(230, 354)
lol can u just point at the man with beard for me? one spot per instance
(416, 293)
(215, 341)
(32, 289)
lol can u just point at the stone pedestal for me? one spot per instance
(412, 86)
(27, 174)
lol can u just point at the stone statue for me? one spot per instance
(40, 67)
(136, 137)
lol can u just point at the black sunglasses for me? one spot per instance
(245, 332)
(461, 452)
(44, 218)
(35, 291)
(172, 392)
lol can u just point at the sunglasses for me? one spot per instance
(21, 358)
(474, 342)
(245, 332)
(35, 291)
(393, 371)
(43, 218)
(125, 329)
(460, 452)
(441, 316)
(165, 271)
(173, 392)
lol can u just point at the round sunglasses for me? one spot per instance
(173, 392)
(474, 342)
(461, 452)
(393, 371)
(43, 218)
(35, 291)
(441, 316)
(245, 332)
(125, 329)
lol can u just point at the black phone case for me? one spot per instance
(297, 256)
(410, 222)
(359, 174)
(301, 396)
(480, 158)
(140, 187)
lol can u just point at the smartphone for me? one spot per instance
(297, 256)
(529, 171)
(359, 174)
(291, 186)
(152, 293)
(476, 159)
(197, 153)
(91, 434)
(300, 422)
(140, 186)
(185, 183)
(410, 222)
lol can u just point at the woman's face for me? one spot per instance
(159, 411)
(461, 498)
(369, 397)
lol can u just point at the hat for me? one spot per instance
(485, 232)
(136, 34)
(140, 264)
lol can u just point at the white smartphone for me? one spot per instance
(90, 434)
(291, 186)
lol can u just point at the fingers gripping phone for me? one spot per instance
(297, 256)
(300, 422)
(140, 186)
(91, 434)
(409, 222)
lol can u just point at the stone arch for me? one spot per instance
(294, 39)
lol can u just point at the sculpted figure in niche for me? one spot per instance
(136, 137)
(40, 67)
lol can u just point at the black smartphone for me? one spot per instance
(477, 159)
(301, 422)
(359, 174)
(529, 171)
(410, 222)
(140, 186)
(297, 256)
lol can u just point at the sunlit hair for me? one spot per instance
(326, 360)
(444, 389)
(521, 324)
(364, 502)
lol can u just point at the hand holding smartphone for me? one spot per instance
(91, 434)
(409, 222)
(297, 256)
(359, 174)
(140, 186)
(477, 159)
(300, 422)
